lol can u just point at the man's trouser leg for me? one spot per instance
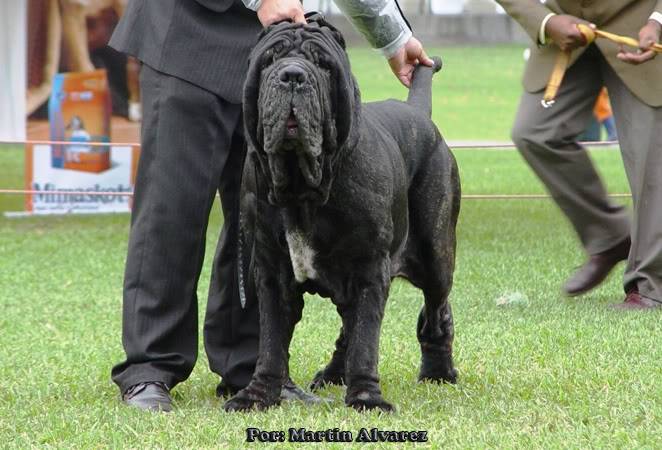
(547, 139)
(231, 333)
(640, 134)
(186, 140)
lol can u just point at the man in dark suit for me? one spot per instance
(194, 57)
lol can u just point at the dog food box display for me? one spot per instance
(79, 111)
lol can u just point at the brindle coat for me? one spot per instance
(338, 198)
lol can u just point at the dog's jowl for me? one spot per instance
(338, 198)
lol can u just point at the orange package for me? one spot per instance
(602, 109)
(79, 111)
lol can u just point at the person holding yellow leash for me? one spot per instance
(547, 137)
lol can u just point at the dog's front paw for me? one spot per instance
(327, 377)
(446, 377)
(246, 400)
(365, 401)
(437, 369)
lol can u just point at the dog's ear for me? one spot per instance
(338, 37)
(250, 106)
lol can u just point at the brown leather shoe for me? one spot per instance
(596, 269)
(635, 300)
(150, 395)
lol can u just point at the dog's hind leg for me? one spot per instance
(435, 335)
(434, 221)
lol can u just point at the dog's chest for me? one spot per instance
(302, 255)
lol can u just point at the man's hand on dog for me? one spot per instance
(272, 11)
(650, 34)
(404, 61)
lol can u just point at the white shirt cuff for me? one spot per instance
(542, 39)
(392, 48)
(656, 16)
(252, 4)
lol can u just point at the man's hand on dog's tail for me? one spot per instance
(404, 61)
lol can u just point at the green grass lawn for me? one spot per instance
(545, 372)
(475, 94)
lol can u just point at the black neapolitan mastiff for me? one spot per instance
(338, 198)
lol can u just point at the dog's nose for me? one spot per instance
(292, 74)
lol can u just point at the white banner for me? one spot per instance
(45, 172)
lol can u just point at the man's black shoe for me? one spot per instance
(150, 395)
(291, 391)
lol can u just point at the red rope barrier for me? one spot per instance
(130, 194)
(509, 145)
(522, 196)
(454, 146)
(89, 144)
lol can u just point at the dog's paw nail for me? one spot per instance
(438, 371)
(366, 401)
(245, 402)
(438, 380)
(446, 377)
(323, 379)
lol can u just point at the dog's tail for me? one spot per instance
(420, 92)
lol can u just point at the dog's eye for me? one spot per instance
(324, 63)
(267, 58)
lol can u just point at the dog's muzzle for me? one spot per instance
(293, 133)
(295, 172)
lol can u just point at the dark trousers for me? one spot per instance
(547, 139)
(192, 146)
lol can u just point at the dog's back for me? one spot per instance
(433, 182)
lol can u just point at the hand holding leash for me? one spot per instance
(647, 45)
(565, 31)
(649, 37)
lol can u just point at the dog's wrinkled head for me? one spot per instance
(301, 106)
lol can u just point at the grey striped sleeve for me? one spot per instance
(380, 21)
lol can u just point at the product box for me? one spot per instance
(79, 111)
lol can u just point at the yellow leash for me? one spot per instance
(590, 34)
(563, 59)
